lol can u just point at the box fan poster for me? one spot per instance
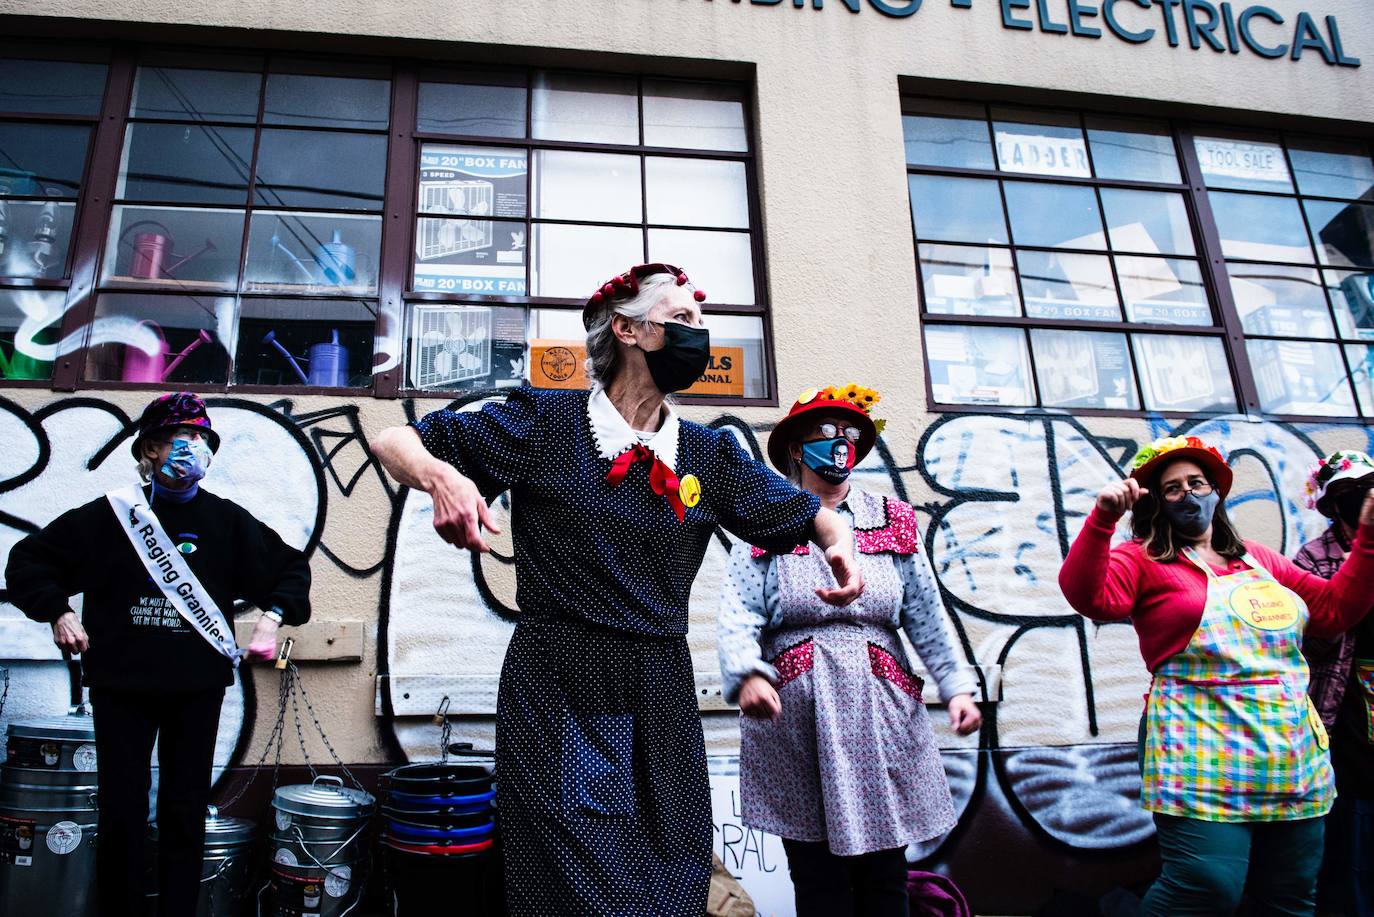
(471, 235)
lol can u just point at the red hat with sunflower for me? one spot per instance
(848, 401)
(1151, 459)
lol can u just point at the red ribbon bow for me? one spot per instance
(662, 480)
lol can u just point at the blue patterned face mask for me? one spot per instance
(831, 459)
(187, 462)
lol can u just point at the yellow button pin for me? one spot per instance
(807, 396)
(689, 489)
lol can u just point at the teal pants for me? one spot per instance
(1206, 863)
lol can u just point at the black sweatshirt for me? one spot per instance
(138, 641)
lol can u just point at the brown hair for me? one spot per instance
(1152, 528)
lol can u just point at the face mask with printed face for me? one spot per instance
(1191, 515)
(684, 356)
(831, 459)
(187, 462)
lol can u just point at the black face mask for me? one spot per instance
(684, 356)
(1348, 507)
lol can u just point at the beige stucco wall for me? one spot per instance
(837, 235)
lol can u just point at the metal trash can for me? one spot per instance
(319, 847)
(227, 867)
(48, 816)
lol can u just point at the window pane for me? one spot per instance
(694, 116)
(313, 253)
(321, 169)
(587, 186)
(327, 101)
(968, 280)
(1352, 296)
(1041, 143)
(1165, 291)
(30, 327)
(1280, 299)
(947, 134)
(473, 181)
(1084, 369)
(1148, 222)
(1329, 168)
(573, 261)
(1136, 150)
(957, 209)
(191, 164)
(138, 337)
(51, 87)
(42, 159)
(196, 95)
(1054, 216)
(737, 366)
(482, 257)
(1252, 162)
(453, 347)
(591, 109)
(1344, 232)
(1260, 228)
(1183, 373)
(1361, 359)
(976, 365)
(720, 263)
(696, 192)
(1300, 377)
(1068, 286)
(182, 248)
(39, 234)
(478, 109)
(305, 342)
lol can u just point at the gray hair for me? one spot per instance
(603, 350)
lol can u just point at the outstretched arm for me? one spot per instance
(459, 508)
(833, 534)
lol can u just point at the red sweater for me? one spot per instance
(1165, 601)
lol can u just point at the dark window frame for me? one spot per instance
(1226, 324)
(398, 209)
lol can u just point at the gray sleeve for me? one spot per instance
(923, 620)
(746, 608)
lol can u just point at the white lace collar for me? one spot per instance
(613, 434)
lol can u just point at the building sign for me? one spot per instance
(459, 248)
(1241, 159)
(1219, 27)
(561, 364)
(1043, 155)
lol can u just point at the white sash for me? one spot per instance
(171, 573)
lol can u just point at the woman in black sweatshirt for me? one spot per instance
(153, 672)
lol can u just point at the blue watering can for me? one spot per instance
(335, 261)
(328, 361)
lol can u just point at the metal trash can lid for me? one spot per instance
(74, 727)
(221, 830)
(329, 799)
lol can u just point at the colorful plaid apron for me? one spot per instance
(1230, 732)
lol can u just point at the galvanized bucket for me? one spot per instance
(319, 847)
(227, 872)
(48, 816)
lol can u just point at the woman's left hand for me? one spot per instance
(262, 646)
(1367, 508)
(846, 571)
(964, 715)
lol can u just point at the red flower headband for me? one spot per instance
(626, 286)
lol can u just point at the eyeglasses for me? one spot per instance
(1175, 492)
(832, 430)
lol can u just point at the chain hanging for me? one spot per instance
(290, 693)
(5, 693)
(445, 729)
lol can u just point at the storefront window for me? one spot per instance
(1081, 241)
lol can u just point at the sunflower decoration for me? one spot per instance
(859, 396)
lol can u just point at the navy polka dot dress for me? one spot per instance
(605, 805)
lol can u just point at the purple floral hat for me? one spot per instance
(179, 409)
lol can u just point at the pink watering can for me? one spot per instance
(140, 366)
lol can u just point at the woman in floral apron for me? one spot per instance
(1234, 756)
(837, 754)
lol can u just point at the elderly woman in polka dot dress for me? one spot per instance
(605, 805)
(837, 755)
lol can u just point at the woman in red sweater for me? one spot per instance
(1234, 758)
